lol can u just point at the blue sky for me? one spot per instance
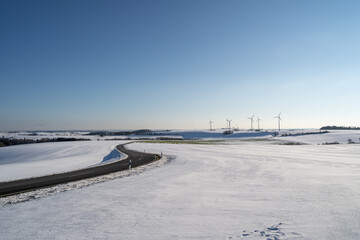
(175, 64)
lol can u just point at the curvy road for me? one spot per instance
(29, 184)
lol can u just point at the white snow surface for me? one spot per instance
(53, 134)
(216, 134)
(339, 136)
(177, 133)
(31, 160)
(248, 190)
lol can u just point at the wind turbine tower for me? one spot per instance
(252, 121)
(230, 125)
(210, 123)
(258, 120)
(279, 120)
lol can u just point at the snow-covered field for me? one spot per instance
(30, 160)
(339, 136)
(238, 189)
(248, 190)
(216, 134)
(39, 135)
(182, 134)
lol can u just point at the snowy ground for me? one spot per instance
(248, 190)
(30, 160)
(339, 136)
(216, 134)
(39, 135)
(182, 134)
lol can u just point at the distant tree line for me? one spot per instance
(145, 138)
(303, 133)
(228, 132)
(330, 143)
(16, 141)
(126, 133)
(339, 128)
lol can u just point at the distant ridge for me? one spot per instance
(339, 128)
(120, 133)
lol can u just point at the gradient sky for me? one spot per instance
(175, 64)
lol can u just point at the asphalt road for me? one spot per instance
(24, 185)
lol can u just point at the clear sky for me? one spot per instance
(73, 64)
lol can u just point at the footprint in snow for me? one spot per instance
(270, 233)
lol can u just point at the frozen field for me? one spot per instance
(339, 136)
(248, 190)
(182, 134)
(30, 160)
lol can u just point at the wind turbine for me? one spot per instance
(279, 120)
(230, 125)
(258, 120)
(252, 121)
(210, 123)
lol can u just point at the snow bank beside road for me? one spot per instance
(31, 160)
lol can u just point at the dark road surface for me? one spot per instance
(24, 185)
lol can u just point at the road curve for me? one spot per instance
(29, 184)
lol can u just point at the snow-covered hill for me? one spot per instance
(22, 161)
(248, 190)
(334, 136)
(339, 136)
(31, 160)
